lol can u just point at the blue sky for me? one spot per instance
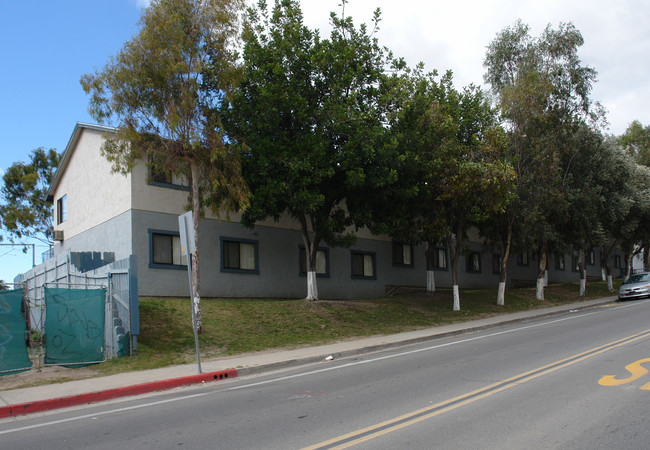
(47, 45)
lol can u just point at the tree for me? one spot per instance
(25, 211)
(447, 142)
(476, 182)
(635, 232)
(588, 192)
(419, 126)
(163, 89)
(636, 141)
(307, 118)
(543, 93)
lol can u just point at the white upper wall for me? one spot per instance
(94, 193)
(148, 197)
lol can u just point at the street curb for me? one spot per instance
(81, 399)
(75, 400)
(254, 370)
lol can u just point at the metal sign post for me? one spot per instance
(188, 248)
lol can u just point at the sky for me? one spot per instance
(46, 47)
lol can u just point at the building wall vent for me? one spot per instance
(58, 235)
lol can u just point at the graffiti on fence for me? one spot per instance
(74, 323)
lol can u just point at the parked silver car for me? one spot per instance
(637, 286)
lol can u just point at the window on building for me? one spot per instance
(617, 262)
(62, 209)
(402, 254)
(559, 262)
(322, 262)
(590, 260)
(591, 257)
(497, 260)
(165, 250)
(522, 259)
(474, 262)
(167, 178)
(574, 264)
(363, 265)
(239, 255)
(440, 259)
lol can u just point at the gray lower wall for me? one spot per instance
(279, 271)
(113, 236)
(279, 275)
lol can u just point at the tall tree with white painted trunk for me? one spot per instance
(161, 91)
(543, 91)
(308, 119)
(448, 144)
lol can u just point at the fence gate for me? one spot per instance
(77, 318)
(13, 347)
(74, 324)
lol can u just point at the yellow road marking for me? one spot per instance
(397, 423)
(637, 371)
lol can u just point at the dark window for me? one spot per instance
(165, 250)
(402, 254)
(440, 259)
(522, 259)
(559, 262)
(322, 262)
(474, 262)
(363, 265)
(617, 262)
(574, 264)
(239, 255)
(496, 264)
(62, 209)
(167, 178)
(591, 258)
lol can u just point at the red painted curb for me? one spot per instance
(81, 399)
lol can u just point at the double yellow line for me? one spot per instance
(380, 429)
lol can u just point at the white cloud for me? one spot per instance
(454, 35)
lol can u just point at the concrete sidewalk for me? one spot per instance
(42, 398)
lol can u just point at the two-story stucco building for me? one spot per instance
(97, 210)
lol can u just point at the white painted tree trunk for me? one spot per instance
(431, 281)
(501, 296)
(539, 294)
(583, 287)
(456, 298)
(604, 273)
(312, 288)
(610, 283)
(196, 213)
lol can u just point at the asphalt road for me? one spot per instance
(559, 382)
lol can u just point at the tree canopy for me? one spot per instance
(307, 114)
(25, 211)
(449, 172)
(162, 91)
(543, 91)
(636, 141)
(337, 134)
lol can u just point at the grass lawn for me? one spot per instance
(238, 326)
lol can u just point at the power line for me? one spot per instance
(33, 246)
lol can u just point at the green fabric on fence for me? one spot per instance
(74, 326)
(13, 348)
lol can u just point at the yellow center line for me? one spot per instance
(403, 421)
